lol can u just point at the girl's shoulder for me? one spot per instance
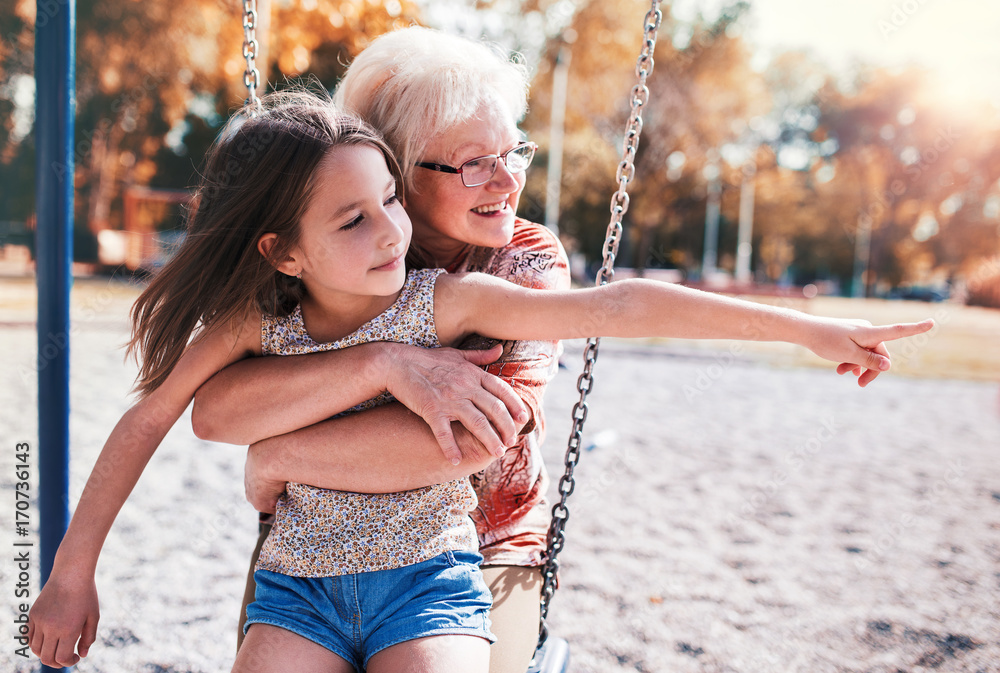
(448, 284)
(419, 289)
(419, 277)
(418, 292)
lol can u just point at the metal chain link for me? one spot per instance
(584, 384)
(251, 76)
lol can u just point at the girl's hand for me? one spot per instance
(66, 611)
(442, 385)
(857, 345)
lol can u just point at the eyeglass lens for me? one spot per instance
(479, 171)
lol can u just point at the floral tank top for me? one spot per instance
(322, 533)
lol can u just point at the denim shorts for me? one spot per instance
(355, 616)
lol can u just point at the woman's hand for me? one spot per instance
(66, 611)
(442, 385)
(857, 345)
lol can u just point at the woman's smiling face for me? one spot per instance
(447, 216)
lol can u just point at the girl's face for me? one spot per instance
(448, 216)
(354, 233)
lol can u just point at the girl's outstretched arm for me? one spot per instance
(66, 611)
(486, 305)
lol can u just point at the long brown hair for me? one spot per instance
(257, 179)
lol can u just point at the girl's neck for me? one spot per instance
(329, 318)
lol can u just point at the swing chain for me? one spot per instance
(251, 76)
(584, 384)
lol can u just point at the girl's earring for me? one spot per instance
(299, 275)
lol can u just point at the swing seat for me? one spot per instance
(552, 657)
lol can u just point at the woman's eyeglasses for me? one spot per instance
(478, 171)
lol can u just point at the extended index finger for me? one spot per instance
(900, 330)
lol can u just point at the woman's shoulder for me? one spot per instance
(533, 236)
(533, 258)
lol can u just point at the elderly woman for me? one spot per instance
(448, 107)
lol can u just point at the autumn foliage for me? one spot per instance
(869, 184)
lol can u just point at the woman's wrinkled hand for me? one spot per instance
(442, 385)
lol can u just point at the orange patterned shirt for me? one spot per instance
(512, 517)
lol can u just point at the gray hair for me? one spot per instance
(416, 83)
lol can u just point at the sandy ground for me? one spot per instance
(734, 516)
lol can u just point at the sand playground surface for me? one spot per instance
(736, 511)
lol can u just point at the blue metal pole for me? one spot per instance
(55, 84)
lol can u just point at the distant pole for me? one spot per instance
(862, 252)
(744, 246)
(55, 75)
(557, 117)
(263, 35)
(710, 258)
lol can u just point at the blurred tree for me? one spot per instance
(824, 154)
(156, 80)
(17, 154)
(924, 175)
(700, 85)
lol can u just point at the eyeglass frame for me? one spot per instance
(442, 168)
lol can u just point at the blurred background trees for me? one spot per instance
(876, 158)
(867, 184)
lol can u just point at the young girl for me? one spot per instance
(297, 244)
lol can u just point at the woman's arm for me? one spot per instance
(67, 610)
(381, 450)
(266, 397)
(476, 303)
